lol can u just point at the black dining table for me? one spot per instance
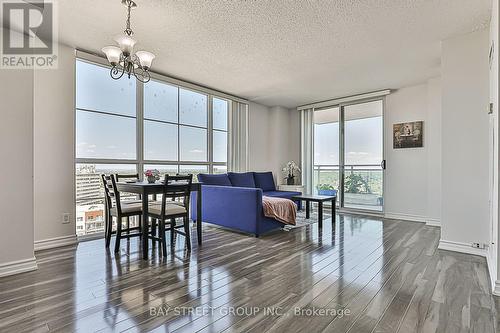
(146, 189)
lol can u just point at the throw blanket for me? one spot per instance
(283, 210)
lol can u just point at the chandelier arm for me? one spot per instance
(142, 75)
(115, 72)
(147, 77)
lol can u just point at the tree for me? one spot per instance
(355, 183)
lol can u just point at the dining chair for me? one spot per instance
(118, 209)
(129, 178)
(174, 204)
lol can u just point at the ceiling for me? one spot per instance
(282, 52)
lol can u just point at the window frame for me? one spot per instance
(140, 160)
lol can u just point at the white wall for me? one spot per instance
(294, 137)
(413, 175)
(284, 140)
(434, 150)
(274, 138)
(465, 186)
(16, 172)
(54, 151)
(406, 171)
(258, 137)
(493, 254)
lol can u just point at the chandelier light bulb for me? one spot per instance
(126, 44)
(113, 54)
(145, 58)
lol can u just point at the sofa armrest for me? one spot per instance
(233, 207)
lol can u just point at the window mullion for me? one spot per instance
(210, 134)
(140, 128)
(178, 130)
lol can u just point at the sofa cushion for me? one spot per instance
(281, 194)
(264, 181)
(244, 179)
(219, 180)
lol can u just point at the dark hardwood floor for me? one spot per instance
(366, 275)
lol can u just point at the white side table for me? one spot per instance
(293, 188)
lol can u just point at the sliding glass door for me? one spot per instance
(348, 154)
(363, 156)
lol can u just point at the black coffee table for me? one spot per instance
(308, 198)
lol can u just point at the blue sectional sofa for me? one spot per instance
(234, 200)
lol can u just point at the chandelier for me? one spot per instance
(123, 59)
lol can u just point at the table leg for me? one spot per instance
(145, 226)
(320, 214)
(334, 209)
(308, 208)
(198, 215)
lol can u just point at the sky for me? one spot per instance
(114, 137)
(363, 142)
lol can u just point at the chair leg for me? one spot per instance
(163, 238)
(154, 223)
(172, 233)
(186, 231)
(109, 230)
(128, 227)
(140, 227)
(118, 234)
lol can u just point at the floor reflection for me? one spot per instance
(352, 263)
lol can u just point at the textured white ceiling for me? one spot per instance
(282, 52)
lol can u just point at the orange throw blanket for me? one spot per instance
(283, 210)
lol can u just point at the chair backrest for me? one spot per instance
(134, 177)
(176, 187)
(111, 192)
(119, 177)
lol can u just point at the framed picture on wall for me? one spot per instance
(408, 135)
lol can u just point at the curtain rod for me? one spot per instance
(346, 99)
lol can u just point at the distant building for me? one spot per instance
(88, 184)
(89, 200)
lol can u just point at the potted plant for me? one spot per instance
(152, 175)
(326, 189)
(289, 170)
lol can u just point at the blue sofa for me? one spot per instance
(234, 200)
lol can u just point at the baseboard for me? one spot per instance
(16, 267)
(379, 215)
(433, 222)
(462, 248)
(51, 243)
(496, 288)
(414, 218)
(495, 284)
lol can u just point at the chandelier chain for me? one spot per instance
(128, 30)
(123, 60)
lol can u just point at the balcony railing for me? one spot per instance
(363, 184)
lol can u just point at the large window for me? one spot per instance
(127, 127)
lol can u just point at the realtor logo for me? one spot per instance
(28, 34)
